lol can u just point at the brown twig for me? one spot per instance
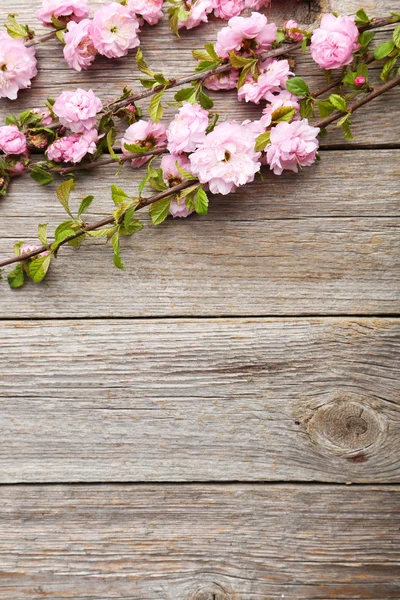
(36, 41)
(103, 223)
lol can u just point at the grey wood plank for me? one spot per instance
(200, 400)
(375, 124)
(231, 542)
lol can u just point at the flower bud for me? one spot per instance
(38, 140)
(359, 81)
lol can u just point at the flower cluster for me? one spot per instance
(191, 13)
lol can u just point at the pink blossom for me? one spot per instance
(288, 27)
(257, 4)
(18, 168)
(77, 110)
(147, 135)
(293, 145)
(17, 66)
(149, 10)
(188, 129)
(276, 101)
(274, 74)
(246, 33)
(73, 148)
(79, 51)
(198, 11)
(223, 81)
(334, 42)
(63, 10)
(12, 141)
(114, 30)
(227, 158)
(47, 119)
(173, 177)
(359, 81)
(27, 248)
(226, 9)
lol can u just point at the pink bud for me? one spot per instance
(131, 108)
(359, 81)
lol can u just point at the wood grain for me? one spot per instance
(230, 542)
(199, 400)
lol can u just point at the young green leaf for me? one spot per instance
(16, 278)
(159, 211)
(38, 267)
(117, 251)
(185, 174)
(142, 64)
(396, 36)
(41, 176)
(131, 225)
(156, 110)
(262, 141)
(338, 102)
(388, 68)
(118, 194)
(325, 108)
(283, 113)
(42, 234)
(297, 86)
(383, 50)
(84, 205)
(201, 204)
(111, 135)
(362, 17)
(63, 193)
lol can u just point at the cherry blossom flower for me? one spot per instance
(223, 81)
(77, 110)
(227, 158)
(288, 27)
(147, 135)
(246, 33)
(12, 141)
(62, 10)
(79, 51)
(47, 119)
(17, 66)
(226, 9)
(188, 129)
(274, 74)
(149, 10)
(73, 148)
(293, 145)
(172, 177)
(198, 13)
(114, 30)
(334, 42)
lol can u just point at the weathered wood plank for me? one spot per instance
(232, 542)
(199, 400)
(375, 124)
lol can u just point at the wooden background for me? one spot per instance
(188, 429)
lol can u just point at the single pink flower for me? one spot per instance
(274, 74)
(62, 10)
(227, 158)
(188, 129)
(12, 141)
(17, 66)
(223, 81)
(334, 42)
(147, 135)
(226, 9)
(257, 4)
(198, 13)
(359, 81)
(73, 148)
(244, 34)
(276, 101)
(293, 145)
(288, 27)
(114, 30)
(149, 10)
(79, 51)
(77, 110)
(173, 177)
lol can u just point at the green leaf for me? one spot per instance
(383, 50)
(211, 51)
(11, 120)
(63, 194)
(297, 86)
(98, 233)
(206, 65)
(131, 225)
(117, 250)
(37, 268)
(239, 62)
(283, 113)
(142, 64)
(65, 226)
(338, 102)
(362, 17)
(347, 131)
(135, 148)
(185, 94)
(156, 110)
(84, 205)
(41, 176)
(365, 38)
(15, 29)
(200, 54)
(185, 174)
(396, 36)
(42, 234)
(388, 67)
(118, 194)
(77, 242)
(262, 141)
(325, 108)
(159, 211)
(110, 142)
(306, 107)
(16, 278)
(201, 205)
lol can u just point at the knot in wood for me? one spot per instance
(210, 592)
(346, 427)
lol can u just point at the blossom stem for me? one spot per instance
(104, 222)
(337, 82)
(37, 40)
(356, 105)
